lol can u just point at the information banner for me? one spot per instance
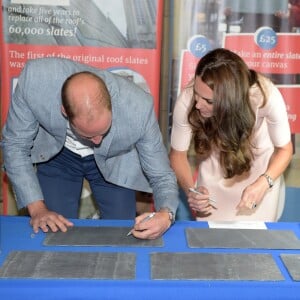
(276, 54)
(291, 94)
(121, 36)
(266, 51)
(264, 33)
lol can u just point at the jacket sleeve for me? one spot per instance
(18, 134)
(155, 163)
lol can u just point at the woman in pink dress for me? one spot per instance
(237, 121)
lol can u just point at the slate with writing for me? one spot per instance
(292, 263)
(75, 265)
(98, 236)
(241, 238)
(214, 266)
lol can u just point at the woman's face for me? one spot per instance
(203, 96)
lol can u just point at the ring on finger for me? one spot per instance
(254, 205)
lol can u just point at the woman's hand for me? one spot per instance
(253, 194)
(199, 201)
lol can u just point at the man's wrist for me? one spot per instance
(170, 212)
(35, 207)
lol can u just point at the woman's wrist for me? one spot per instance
(269, 179)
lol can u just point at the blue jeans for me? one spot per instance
(61, 180)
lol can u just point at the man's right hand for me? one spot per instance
(43, 218)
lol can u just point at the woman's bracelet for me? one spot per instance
(269, 179)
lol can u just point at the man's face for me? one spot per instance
(95, 130)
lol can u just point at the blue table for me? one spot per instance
(17, 235)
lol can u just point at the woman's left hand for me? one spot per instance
(253, 194)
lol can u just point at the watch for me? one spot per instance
(269, 179)
(170, 212)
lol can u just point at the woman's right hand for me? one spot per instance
(199, 202)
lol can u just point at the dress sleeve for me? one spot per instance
(276, 116)
(181, 133)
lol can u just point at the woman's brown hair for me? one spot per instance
(229, 129)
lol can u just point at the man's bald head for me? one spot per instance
(84, 95)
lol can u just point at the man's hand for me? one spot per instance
(43, 218)
(153, 228)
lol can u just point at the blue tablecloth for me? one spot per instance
(17, 235)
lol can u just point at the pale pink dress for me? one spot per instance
(271, 128)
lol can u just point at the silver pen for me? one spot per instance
(199, 193)
(144, 220)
